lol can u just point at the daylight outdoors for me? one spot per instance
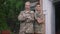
(9, 10)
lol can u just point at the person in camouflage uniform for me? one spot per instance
(26, 19)
(39, 19)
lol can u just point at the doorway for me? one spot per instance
(57, 17)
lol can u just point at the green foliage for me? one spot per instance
(9, 9)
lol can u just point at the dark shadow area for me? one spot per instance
(57, 17)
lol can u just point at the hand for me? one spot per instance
(39, 20)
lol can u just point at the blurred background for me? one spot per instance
(9, 10)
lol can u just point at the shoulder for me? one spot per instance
(21, 11)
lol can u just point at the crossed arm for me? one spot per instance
(40, 19)
(21, 17)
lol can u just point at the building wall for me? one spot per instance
(49, 16)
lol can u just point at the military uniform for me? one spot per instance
(27, 20)
(38, 26)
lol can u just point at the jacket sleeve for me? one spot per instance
(21, 16)
(32, 15)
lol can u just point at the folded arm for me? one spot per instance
(21, 17)
(40, 19)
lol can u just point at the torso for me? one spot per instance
(27, 26)
(37, 25)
